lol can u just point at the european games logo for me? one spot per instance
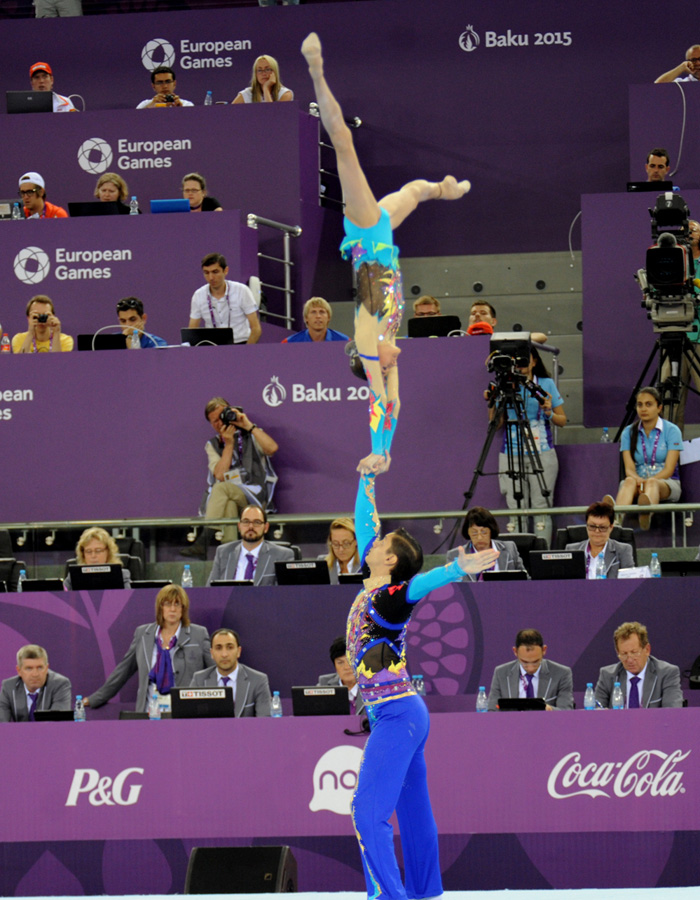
(31, 265)
(274, 393)
(469, 40)
(157, 47)
(95, 156)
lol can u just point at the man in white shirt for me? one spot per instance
(164, 85)
(41, 77)
(225, 304)
(251, 689)
(688, 70)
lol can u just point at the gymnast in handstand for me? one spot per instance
(369, 243)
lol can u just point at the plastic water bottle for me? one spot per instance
(154, 706)
(187, 577)
(134, 207)
(5, 345)
(655, 566)
(16, 211)
(135, 340)
(482, 701)
(22, 578)
(419, 685)
(276, 706)
(618, 698)
(600, 565)
(589, 697)
(605, 437)
(209, 100)
(79, 709)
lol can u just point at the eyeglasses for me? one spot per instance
(165, 81)
(601, 528)
(28, 192)
(479, 532)
(256, 522)
(94, 551)
(173, 603)
(633, 654)
(263, 71)
(342, 545)
(422, 315)
(695, 60)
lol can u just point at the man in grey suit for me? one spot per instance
(36, 687)
(343, 674)
(251, 558)
(646, 682)
(251, 689)
(531, 675)
(600, 520)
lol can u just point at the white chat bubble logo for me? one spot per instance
(335, 780)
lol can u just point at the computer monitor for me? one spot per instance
(96, 578)
(328, 700)
(433, 326)
(302, 571)
(202, 703)
(179, 205)
(29, 101)
(106, 341)
(93, 208)
(205, 337)
(557, 564)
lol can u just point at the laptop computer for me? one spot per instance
(682, 567)
(105, 341)
(521, 704)
(351, 578)
(179, 205)
(96, 578)
(151, 583)
(302, 571)
(42, 584)
(327, 700)
(29, 101)
(231, 582)
(93, 208)
(658, 186)
(433, 326)
(557, 564)
(509, 575)
(202, 703)
(204, 337)
(6, 208)
(53, 715)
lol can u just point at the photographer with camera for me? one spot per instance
(164, 85)
(44, 330)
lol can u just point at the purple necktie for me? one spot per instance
(250, 568)
(633, 699)
(32, 706)
(528, 690)
(225, 680)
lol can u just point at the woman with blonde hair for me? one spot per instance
(343, 557)
(111, 188)
(96, 547)
(265, 84)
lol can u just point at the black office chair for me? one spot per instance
(293, 547)
(6, 551)
(525, 542)
(132, 547)
(574, 534)
(9, 571)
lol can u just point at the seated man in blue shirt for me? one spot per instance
(132, 319)
(317, 317)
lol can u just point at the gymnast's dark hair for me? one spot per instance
(409, 556)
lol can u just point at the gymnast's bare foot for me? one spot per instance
(451, 189)
(311, 50)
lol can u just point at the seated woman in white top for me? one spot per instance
(265, 84)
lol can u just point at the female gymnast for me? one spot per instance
(369, 243)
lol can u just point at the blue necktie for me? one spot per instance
(633, 699)
(528, 690)
(225, 680)
(250, 568)
(33, 698)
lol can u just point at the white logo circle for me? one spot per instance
(95, 156)
(274, 393)
(469, 40)
(32, 265)
(157, 47)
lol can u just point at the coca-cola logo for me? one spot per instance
(647, 771)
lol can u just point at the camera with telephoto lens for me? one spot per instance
(510, 352)
(229, 416)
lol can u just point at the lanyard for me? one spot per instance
(211, 309)
(654, 448)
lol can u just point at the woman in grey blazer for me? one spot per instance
(165, 653)
(482, 530)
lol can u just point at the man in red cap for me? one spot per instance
(41, 77)
(32, 190)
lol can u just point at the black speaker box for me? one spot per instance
(241, 870)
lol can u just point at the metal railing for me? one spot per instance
(288, 231)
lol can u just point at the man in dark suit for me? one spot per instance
(531, 675)
(646, 682)
(343, 674)
(251, 558)
(251, 689)
(36, 687)
(600, 519)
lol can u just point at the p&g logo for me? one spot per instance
(103, 790)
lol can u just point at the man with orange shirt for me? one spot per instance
(32, 190)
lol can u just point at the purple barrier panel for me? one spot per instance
(659, 115)
(616, 232)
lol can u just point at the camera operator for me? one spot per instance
(544, 409)
(44, 330)
(164, 85)
(240, 471)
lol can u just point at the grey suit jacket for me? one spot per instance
(226, 561)
(662, 684)
(252, 689)
(509, 560)
(334, 679)
(555, 686)
(618, 555)
(55, 694)
(191, 653)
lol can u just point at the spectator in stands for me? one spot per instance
(251, 689)
(317, 316)
(646, 682)
(43, 334)
(483, 532)
(651, 448)
(600, 519)
(343, 674)
(194, 189)
(238, 457)
(482, 312)
(225, 304)
(165, 653)
(32, 190)
(252, 558)
(531, 675)
(164, 85)
(657, 164)
(688, 70)
(36, 687)
(427, 305)
(111, 188)
(96, 547)
(265, 84)
(132, 319)
(343, 557)
(40, 74)
(50, 9)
